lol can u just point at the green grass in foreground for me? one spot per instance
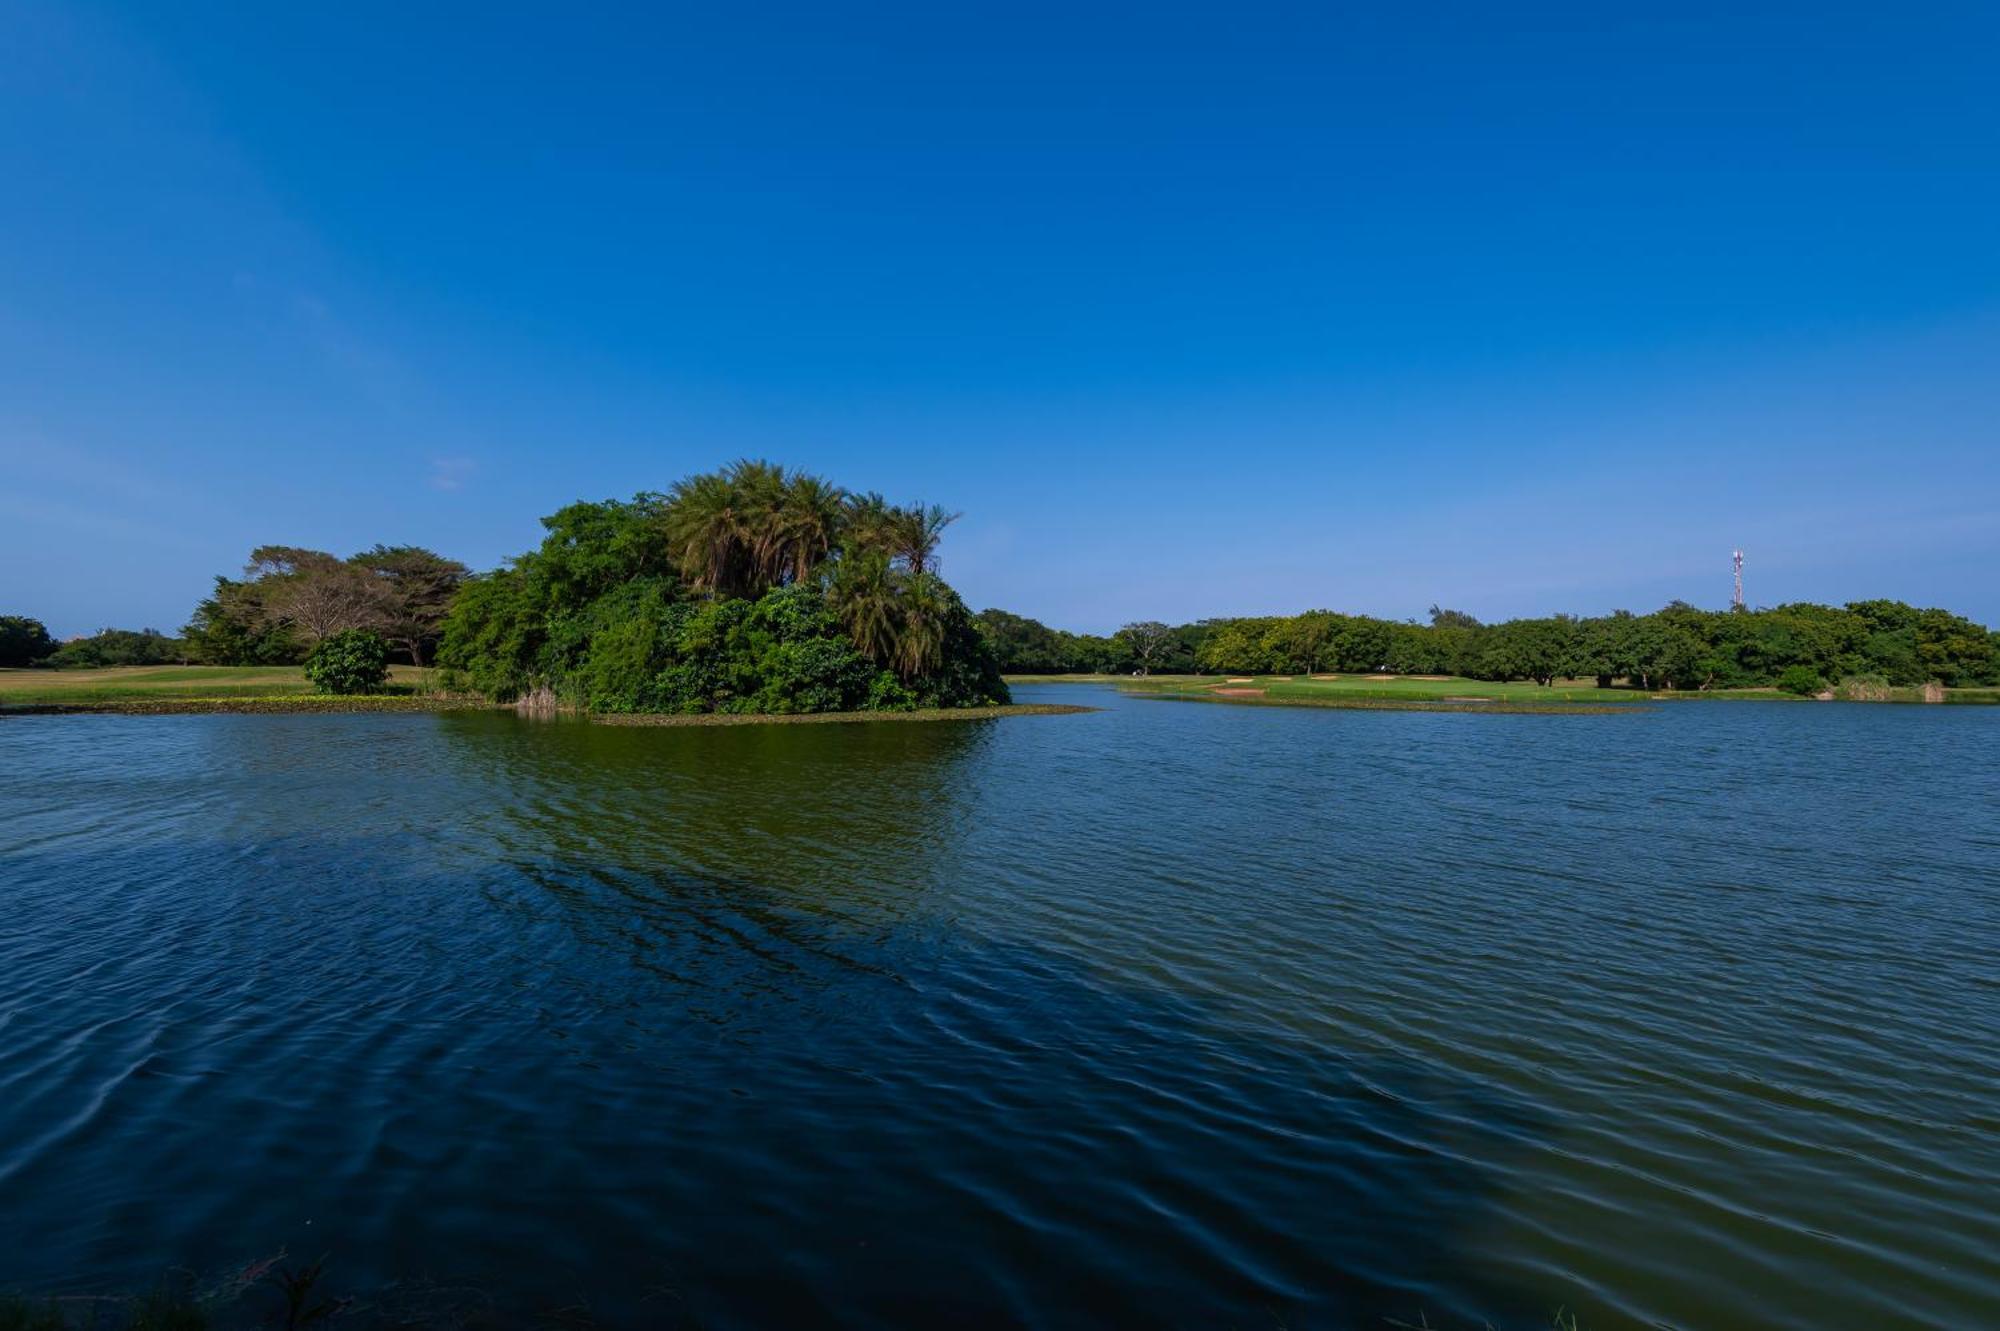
(139, 683)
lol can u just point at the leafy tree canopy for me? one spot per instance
(1678, 647)
(291, 598)
(23, 641)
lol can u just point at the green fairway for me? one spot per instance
(1404, 692)
(1456, 692)
(138, 683)
(1420, 688)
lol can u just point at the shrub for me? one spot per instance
(1864, 688)
(1801, 680)
(352, 661)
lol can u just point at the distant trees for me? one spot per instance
(1028, 647)
(119, 647)
(753, 588)
(1676, 647)
(291, 598)
(23, 641)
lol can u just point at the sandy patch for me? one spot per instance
(1238, 693)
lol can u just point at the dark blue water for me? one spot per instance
(1176, 1014)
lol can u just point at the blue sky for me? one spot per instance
(1192, 310)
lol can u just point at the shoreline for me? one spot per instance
(310, 704)
(1461, 706)
(835, 718)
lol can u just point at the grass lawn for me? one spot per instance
(1392, 693)
(1412, 688)
(172, 689)
(20, 688)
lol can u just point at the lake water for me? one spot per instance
(1174, 1014)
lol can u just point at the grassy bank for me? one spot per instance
(1450, 693)
(156, 683)
(290, 704)
(192, 690)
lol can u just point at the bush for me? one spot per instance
(1801, 681)
(353, 661)
(1864, 688)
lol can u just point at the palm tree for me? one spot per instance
(916, 531)
(760, 489)
(926, 607)
(707, 528)
(813, 513)
(870, 525)
(865, 596)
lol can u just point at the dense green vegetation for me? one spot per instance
(753, 589)
(23, 641)
(1679, 647)
(757, 589)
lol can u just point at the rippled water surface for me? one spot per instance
(1168, 1015)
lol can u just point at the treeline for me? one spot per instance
(287, 602)
(26, 642)
(1678, 647)
(752, 589)
(1026, 646)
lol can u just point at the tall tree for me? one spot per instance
(23, 641)
(317, 592)
(811, 517)
(864, 596)
(926, 605)
(915, 533)
(1146, 638)
(708, 528)
(416, 587)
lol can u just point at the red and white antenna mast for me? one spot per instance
(1736, 558)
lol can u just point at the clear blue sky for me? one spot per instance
(1193, 310)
